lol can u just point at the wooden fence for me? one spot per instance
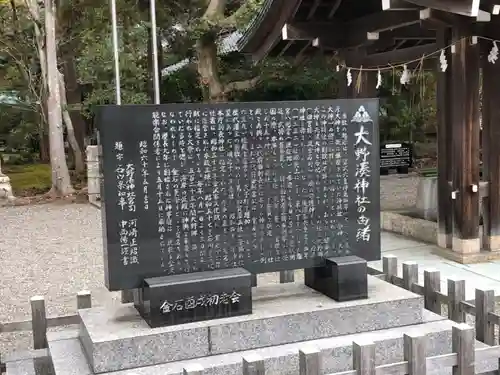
(462, 360)
(483, 309)
(39, 322)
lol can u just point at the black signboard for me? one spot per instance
(396, 155)
(264, 186)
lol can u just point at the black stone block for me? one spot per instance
(178, 299)
(342, 279)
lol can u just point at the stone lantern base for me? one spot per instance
(5, 187)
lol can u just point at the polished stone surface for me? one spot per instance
(180, 299)
(343, 279)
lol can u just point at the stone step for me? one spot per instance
(30, 366)
(285, 313)
(69, 358)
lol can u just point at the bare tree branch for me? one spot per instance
(241, 85)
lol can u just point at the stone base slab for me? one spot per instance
(464, 258)
(421, 230)
(285, 313)
(444, 240)
(492, 243)
(466, 246)
(68, 356)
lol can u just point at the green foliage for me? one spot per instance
(181, 87)
(85, 34)
(29, 179)
(95, 65)
(281, 79)
(408, 112)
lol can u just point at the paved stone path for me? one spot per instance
(56, 251)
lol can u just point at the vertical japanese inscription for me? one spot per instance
(264, 186)
(363, 173)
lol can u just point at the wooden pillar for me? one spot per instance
(444, 134)
(491, 149)
(465, 145)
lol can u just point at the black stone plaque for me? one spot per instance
(178, 299)
(396, 155)
(343, 279)
(263, 186)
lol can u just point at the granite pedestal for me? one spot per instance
(342, 278)
(187, 298)
(69, 358)
(116, 339)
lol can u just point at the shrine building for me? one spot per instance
(456, 38)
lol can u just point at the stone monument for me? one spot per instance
(5, 186)
(197, 198)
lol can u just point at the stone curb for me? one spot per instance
(418, 229)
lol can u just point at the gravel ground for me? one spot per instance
(55, 250)
(398, 191)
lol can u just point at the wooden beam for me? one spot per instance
(462, 7)
(287, 46)
(384, 21)
(491, 151)
(287, 8)
(444, 112)
(413, 32)
(399, 44)
(469, 10)
(465, 145)
(400, 5)
(334, 9)
(445, 19)
(299, 56)
(313, 9)
(399, 56)
(328, 34)
(474, 12)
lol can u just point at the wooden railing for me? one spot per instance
(483, 309)
(39, 322)
(462, 359)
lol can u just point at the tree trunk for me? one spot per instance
(43, 132)
(34, 10)
(61, 182)
(208, 70)
(75, 147)
(74, 97)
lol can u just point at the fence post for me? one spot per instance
(83, 300)
(363, 358)
(287, 276)
(389, 267)
(432, 284)
(127, 296)
(253, 365)
(463, 344)
(485, 303)
(310, 361)
(415, 353)
(410, 275)
(254, 280)
(456, 294)
(39, 322)
(193, 369)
